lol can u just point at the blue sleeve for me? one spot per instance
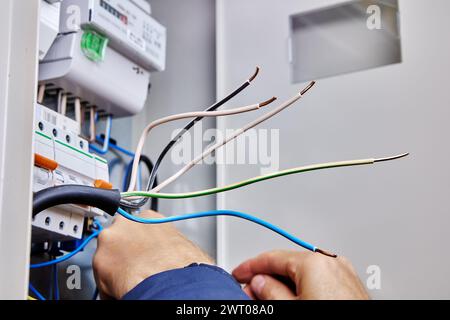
(194, 282)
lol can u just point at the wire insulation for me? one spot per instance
(186, 115)
(216, 213)
(41, 93)
(243, 183)
(105, 148)
(71, 254)
(36, 292)
(78, 110)
(55, 282)
(148, 163)
(188, 126)
(104, 199)
(237, 133)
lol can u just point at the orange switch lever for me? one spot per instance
(102, 184)
(45, 162)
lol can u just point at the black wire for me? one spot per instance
(148, 163)
(152, 179)
(106, 200)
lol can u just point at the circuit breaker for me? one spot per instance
(128, 25)
(104, 53)
(48, 25)
(115, 85)
(62, 157)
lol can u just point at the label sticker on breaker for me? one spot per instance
(135, 39)
(132, 31)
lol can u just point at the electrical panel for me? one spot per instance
(115, 85)
(95, 62)
(48, 25)
(128, 26)
(62, 157)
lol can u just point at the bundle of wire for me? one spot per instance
(151, 181)
(112, 201)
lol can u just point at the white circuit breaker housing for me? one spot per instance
(128, 25)
(129, 45)
(48, 25)
(57, 140)
(115, 85)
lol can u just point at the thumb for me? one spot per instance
(266, 287)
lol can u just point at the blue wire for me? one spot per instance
(71, 254)
(116, 147)
(94, 297)
(35, 292)
(55, 282)
(220, 213)
(114, 162)
(105, 148)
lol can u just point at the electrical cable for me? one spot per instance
(188, 126)
(105, 148)
(41, 93)
(64, 104)
(247, 127)
(92, 125)
(259, 179)
(36, 292)
(230, 213)
(78, 111)
(104, 199)
(114, 146)
(71, 254)
(161, 121)
(148, 163)
(55, 281)
(59, 100)
(145, 159)
(95, 295)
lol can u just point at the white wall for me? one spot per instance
(394, 215)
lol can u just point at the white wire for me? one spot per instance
(41, 93)
(210, 150)
(78, 111)
(60, 94)
(64, 104)
(158, 122)
(92, 124)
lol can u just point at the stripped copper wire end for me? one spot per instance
(265, 103)
(403, 155)
(326, 253)
(310, 85)
(254, 75)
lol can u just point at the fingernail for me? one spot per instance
(258, 283)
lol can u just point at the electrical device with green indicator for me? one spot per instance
(94, 45)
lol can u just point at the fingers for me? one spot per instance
(248, 290)
(265, 287)
(283, 263)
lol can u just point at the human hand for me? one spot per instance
(289, 275)
(129, 252)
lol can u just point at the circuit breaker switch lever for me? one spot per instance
(45, 162)
(102, 184)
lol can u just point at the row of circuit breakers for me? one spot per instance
(101, 52)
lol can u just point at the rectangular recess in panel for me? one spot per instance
(349, 37)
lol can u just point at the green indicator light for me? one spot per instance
(94, 45)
